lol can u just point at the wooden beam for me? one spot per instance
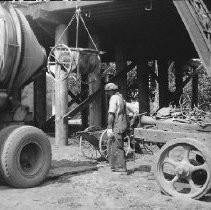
(76, 98)
(86, 102)
(121, 63)
(61, 94)
(195, 80)
(83, 105)
(47, 17)
(175, 94)
(95, 107)
(84, 93)
(196, 31)
(178, 80)
(143, 88)
(154, 75)
(34, 10)
(40, 100)
(163, 85)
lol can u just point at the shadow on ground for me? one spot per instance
(65, 167)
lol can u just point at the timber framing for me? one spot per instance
(170, 30)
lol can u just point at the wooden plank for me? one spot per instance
(160, 136)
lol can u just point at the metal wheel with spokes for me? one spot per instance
(63, 56)
(183, 168)
(89, 147)
(103, 144)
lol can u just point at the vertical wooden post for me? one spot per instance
(85, 92)
(143, 88)
(61, 94)
(95, 108)
(16, 96)
(195, 90)
(163, 86)
(40, 100)
(121, 63)
(178, 79)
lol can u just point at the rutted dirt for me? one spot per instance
(89, 184)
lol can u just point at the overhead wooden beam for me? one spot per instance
(46, 16)
(34, 10)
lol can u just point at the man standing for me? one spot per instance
(117, 126)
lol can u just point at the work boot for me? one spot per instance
(120, 171)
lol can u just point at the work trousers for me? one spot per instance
(116, 153)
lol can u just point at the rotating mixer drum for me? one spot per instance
(21, 56)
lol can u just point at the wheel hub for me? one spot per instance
(183, 171)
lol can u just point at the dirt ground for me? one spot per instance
(77, 183)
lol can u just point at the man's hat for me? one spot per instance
(111, 86)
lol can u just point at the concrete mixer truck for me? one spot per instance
(25, 151)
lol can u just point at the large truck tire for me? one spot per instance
(3, 135)
(25, 157)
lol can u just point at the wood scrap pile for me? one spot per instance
(186, 115)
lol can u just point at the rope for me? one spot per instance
(78, 11)
(88, 33)
(78, 16)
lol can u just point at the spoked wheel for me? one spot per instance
(63, 56)
(89, 149)
(103, 144)
(89, 144)
(182, 168)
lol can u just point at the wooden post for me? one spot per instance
(195, 90)
(95, 108)
(121, 63)
(143, 88)
(178, 80)
(61, 94)
(85, 93)
(16, 96)
(163, 85)
(40, 100)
